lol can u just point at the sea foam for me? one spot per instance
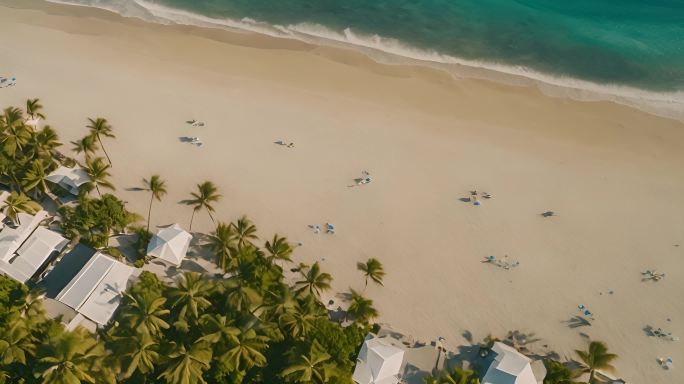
(392, 51)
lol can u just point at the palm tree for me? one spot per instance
(157, 188)
(220, 243)
(87, 145)
(69, 357)
(10, 171)
(459, 376)
(16, 341)
(15, 134)
(361, 309)
(17, 203)
(245, 350)
(12, 117)
(98, 128)
(310, 368)
(283, 302)
(596, 357)
(245, 231)
(187, 365)
(140, 352)
(99, 174)
(314, 281)
(35, 179)
(204, 197)
(44, 142)
(33, 108)
(559, 373)
(241, 296)
(297, 323)
(145, 312)
(191, 296)
(217, 329)
(372, 269)
(279, 249)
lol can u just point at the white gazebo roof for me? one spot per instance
(379, 362)
(35, 122)
(510, 367)
(69, 178)
(96, 290)
(170, 244)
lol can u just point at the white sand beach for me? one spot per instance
(612, 174)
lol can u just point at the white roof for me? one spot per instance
(69, 178)
(12, 238)
(33, 254)
(170, 244)
(96, 290)
(379, 362)
(510, 367)
(33, 122)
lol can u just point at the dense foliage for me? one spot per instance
(28, 154)
(94, 220)
(248, 326)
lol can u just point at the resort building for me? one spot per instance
(26, 248)
(512, 367)
(379, 362)
(69, 179)
(95, 292)
(170, 244)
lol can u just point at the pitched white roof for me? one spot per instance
(69, 178)
(170, 244)
(33, 122)
(379, 362)
(510, 367)
(96, 290)
(12, 238)
(33, 254)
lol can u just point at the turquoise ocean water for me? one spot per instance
(631, 44)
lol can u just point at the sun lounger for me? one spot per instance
(489, 259)
(665, 363)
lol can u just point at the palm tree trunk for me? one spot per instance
(149, 212)
(104, 150)
(591, 376)
(191, 219)
(97, 188)
(211, 217)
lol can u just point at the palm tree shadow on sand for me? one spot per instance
(577, 322)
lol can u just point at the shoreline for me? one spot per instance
(611, 172)
(387, 51)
